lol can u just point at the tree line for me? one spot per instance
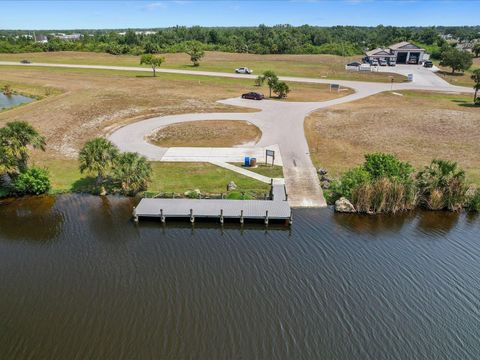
(278, 39)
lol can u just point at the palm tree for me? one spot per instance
(442, 185)
(16, 138)
(97, 156)
(476, 79)
(133, 171)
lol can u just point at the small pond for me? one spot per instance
(7, 101)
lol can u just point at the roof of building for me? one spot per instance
(404, 45)
(378, 51)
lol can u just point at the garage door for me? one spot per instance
(402, 58)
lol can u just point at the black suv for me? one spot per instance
(427, 64)
(253, 96)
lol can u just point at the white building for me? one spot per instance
(402, 52)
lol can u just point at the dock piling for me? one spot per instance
(221, 216)
(266, 217)
(241, 216)
(162, 217)
(192, 218)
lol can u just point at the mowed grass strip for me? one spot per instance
(326, 66)
(418, 127)
(167, 177)
(207, 133)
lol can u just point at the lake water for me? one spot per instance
(80, 280)
(7, 101)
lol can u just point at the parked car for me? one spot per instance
(383, 62)
(243, 70)
(374, 62)
(25, 61)
(413, 61)
(427, 64)
(253, 96)
(392, 62)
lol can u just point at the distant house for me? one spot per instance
(39, 38)
(402, 53)
(68, 37)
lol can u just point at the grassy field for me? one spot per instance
(460, 79)
(167, 177)
(265, 170)
(418, 127)
(327, 66)
(93, 103)
(209, 133)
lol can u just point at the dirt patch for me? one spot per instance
(207, 133)
(418, 127)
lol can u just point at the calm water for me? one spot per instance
(79, 280)
(7, 101)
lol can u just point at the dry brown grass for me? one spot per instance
(329, 66)
(94, 102)
(211, 133)
(418, 127)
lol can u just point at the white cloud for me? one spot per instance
(155, 5)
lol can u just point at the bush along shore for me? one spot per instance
(384, 184)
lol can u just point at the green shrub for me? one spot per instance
(473, 203)
(33, 181)
(350, 180)
(380, 165)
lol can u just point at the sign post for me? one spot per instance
(270, 153)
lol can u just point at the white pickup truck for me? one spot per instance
(243, 70)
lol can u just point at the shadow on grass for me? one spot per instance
(146, 76)
(470, 105)
(86, 185)
(448, 73)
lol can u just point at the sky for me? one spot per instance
(157, 13)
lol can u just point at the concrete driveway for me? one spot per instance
(281, 122)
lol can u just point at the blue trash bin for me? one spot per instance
(247, 161)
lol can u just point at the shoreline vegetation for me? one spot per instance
(385, 184)
(101, 169)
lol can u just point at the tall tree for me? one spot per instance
(153, 61)
(195, 50)
(133, 172)
(476, 86)
(16, 138)
(456, 59)
(98, 156)
(271, 78)
(476, 49)
(281, 89)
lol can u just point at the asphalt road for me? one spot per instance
(281, 122)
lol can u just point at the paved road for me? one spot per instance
(281, 122)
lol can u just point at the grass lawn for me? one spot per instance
(459, 78)
(327, 66)
(209, 133)
(265, 170)
(175, 177)
(92, 103)
(418, 127)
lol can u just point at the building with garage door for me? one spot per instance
(402, 52)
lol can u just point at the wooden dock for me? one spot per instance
(265, 210)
